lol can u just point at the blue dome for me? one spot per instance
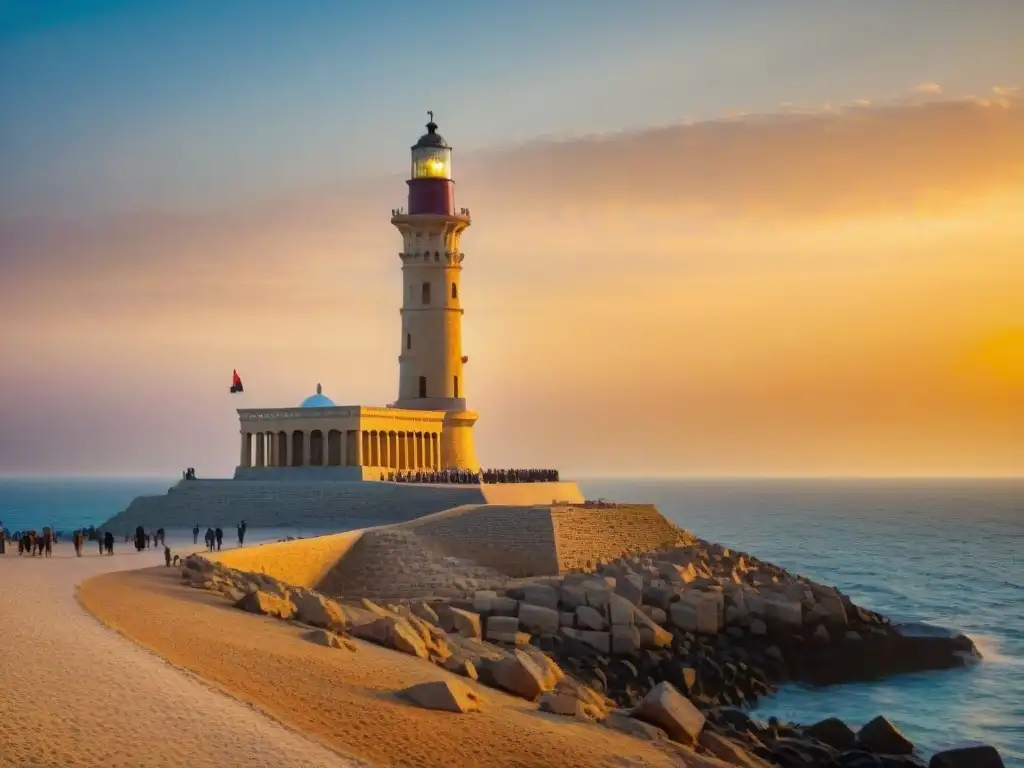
(319, 400)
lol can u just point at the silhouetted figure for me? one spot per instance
(79, 540)
(220, 537)
(167, 556)
(140, 538)
(211, 539)
(47, 542)
(241, 533)
(99, 541)
(108, 542)
(195, 534)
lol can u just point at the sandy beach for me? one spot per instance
(341, 698)
(74, 693)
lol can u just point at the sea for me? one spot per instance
(947, 552)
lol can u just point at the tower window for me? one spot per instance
(456, 382)
(425, 293)
(455, 291)
(423, 386)
(408, 341)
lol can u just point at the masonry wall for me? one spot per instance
(585, 535)
(302, 562)
(517, 541)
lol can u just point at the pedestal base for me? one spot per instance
(457, 448)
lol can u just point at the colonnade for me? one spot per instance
(397, 450)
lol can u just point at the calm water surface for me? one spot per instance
(947, 552)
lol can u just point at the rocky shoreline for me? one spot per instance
(673, 646)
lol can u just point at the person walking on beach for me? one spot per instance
(167, 556)
(78, 541)
(195, 534)
(108, 542)
(140, 538)
(241, 533)
(210, 539)
(220, 537)
(47, 542)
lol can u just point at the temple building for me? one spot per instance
(429, 426)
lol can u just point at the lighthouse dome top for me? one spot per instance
(431, 138)
(319, 400)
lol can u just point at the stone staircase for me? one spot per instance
(314, 506)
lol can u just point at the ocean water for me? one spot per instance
(946, 552)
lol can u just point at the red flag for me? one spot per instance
(236, 382)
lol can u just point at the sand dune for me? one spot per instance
(346, 699)
(74, 693)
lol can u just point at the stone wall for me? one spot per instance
(327, 505)
(302, 562)
(585, 535)
(518, 541)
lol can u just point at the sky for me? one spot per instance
(736, 238)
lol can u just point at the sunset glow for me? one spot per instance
(819, 290)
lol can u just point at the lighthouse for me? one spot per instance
(431, 361)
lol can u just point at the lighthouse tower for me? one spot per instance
(431, 361)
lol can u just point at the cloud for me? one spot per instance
(748, 246)
(928, 88)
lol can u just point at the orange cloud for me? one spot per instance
(821, 291)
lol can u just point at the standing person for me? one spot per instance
(210, 539)
(220, 537)
(195, 534)
(77, 538)
(241, 533)
(167, 556)
(47, 542)
(108, 542)
(99, 540)
(140, 538)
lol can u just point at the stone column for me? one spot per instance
(343, 447)
(307, 459)
(243, 456)
(247, 449)
(360, 458)
(261, 457)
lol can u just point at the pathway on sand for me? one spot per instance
(73, 693)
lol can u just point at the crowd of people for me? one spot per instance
(36, 544)
(467, 477)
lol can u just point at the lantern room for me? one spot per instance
(431, 189)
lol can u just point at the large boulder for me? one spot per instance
(620, 611)
(702, 612)
(630, 587)
(465, 623)
(729, 751)
(395, 633)
(666, 708)
(449, 695)
(834, 732)
(539, 619)
(784, 612)
(502, 629)
(313, 608)
(882, 737)
(622, 722)
(266, 604)
(329, 639)
(589, 618)
(519, 675)
(967, 756)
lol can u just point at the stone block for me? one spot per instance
(779, 610)
(655, 614)
(538, 619)
(620, 610)
(652, 634)
(590, 618)
(631, 587)
(465, 623)
(666, 708)
(625, 639)
(540, 594)
(501, 628)
(447, 695)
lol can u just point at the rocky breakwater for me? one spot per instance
(669, 646)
